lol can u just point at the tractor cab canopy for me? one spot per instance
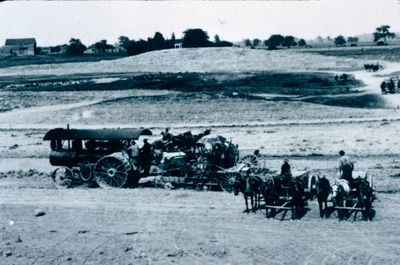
(97, 134)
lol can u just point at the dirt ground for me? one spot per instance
(156, 226)
(150, 226)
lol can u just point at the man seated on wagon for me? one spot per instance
(286, 173)
(345, 172)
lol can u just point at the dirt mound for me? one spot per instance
(372, 101)
(196, 60)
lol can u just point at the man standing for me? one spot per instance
(133, 152)
(146, 157)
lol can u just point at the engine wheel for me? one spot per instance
(112, 171)
(63, 177)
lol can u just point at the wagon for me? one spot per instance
(356, 205)
(390, 86)
(282, 196)
(93, 155)
(207, 165)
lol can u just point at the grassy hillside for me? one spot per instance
(371, 53)
(54, 59)
(196, 60)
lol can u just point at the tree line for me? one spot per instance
(193, 38)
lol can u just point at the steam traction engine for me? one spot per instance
(97, 155)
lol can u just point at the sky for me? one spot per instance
(55, 22)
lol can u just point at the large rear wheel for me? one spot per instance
(112, 171)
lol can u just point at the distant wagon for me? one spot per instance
(390, 86)
(98, 155)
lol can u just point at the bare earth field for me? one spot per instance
(259, 99)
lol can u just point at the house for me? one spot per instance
(20, 47)
(59, 49)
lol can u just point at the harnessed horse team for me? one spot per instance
(283, 192)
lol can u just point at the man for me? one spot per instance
(285, 172)
(167, 136)
(146, 157)
(345, 169)
(133, 152)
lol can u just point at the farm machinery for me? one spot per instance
(98, 155)
(102, 156)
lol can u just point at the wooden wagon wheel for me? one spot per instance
(227, 179)
(112, 171)
(359, 216)
(252, 162)
(63, 177)
(85, 169)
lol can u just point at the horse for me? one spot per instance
(271, 193)
(323, 189)
(277, 192)
(364, 197)
(250, 187)
(372, 67)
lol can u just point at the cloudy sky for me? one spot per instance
(55, 22)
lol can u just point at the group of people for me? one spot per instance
(390, 86)
(141, 157)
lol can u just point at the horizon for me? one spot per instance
(56, 22)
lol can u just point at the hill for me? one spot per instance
(201, 60)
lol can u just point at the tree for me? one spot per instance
(102, 46)
(352, 39)
(195, 38)
(302, 43)
(225, 44)
(217, 40)
(383, 32)
(289, 41)
(75, 47)
(256, 42)
(171, 42)
(320, 39)
(274, 41)
(158, 42)
(340, 40)
(123, 41)
(247, 42)
(137, 47)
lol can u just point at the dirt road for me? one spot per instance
(149, 226)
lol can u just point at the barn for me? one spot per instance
(20, 47)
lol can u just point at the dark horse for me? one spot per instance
(323, 189)
(250, 187)
(279, 192)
